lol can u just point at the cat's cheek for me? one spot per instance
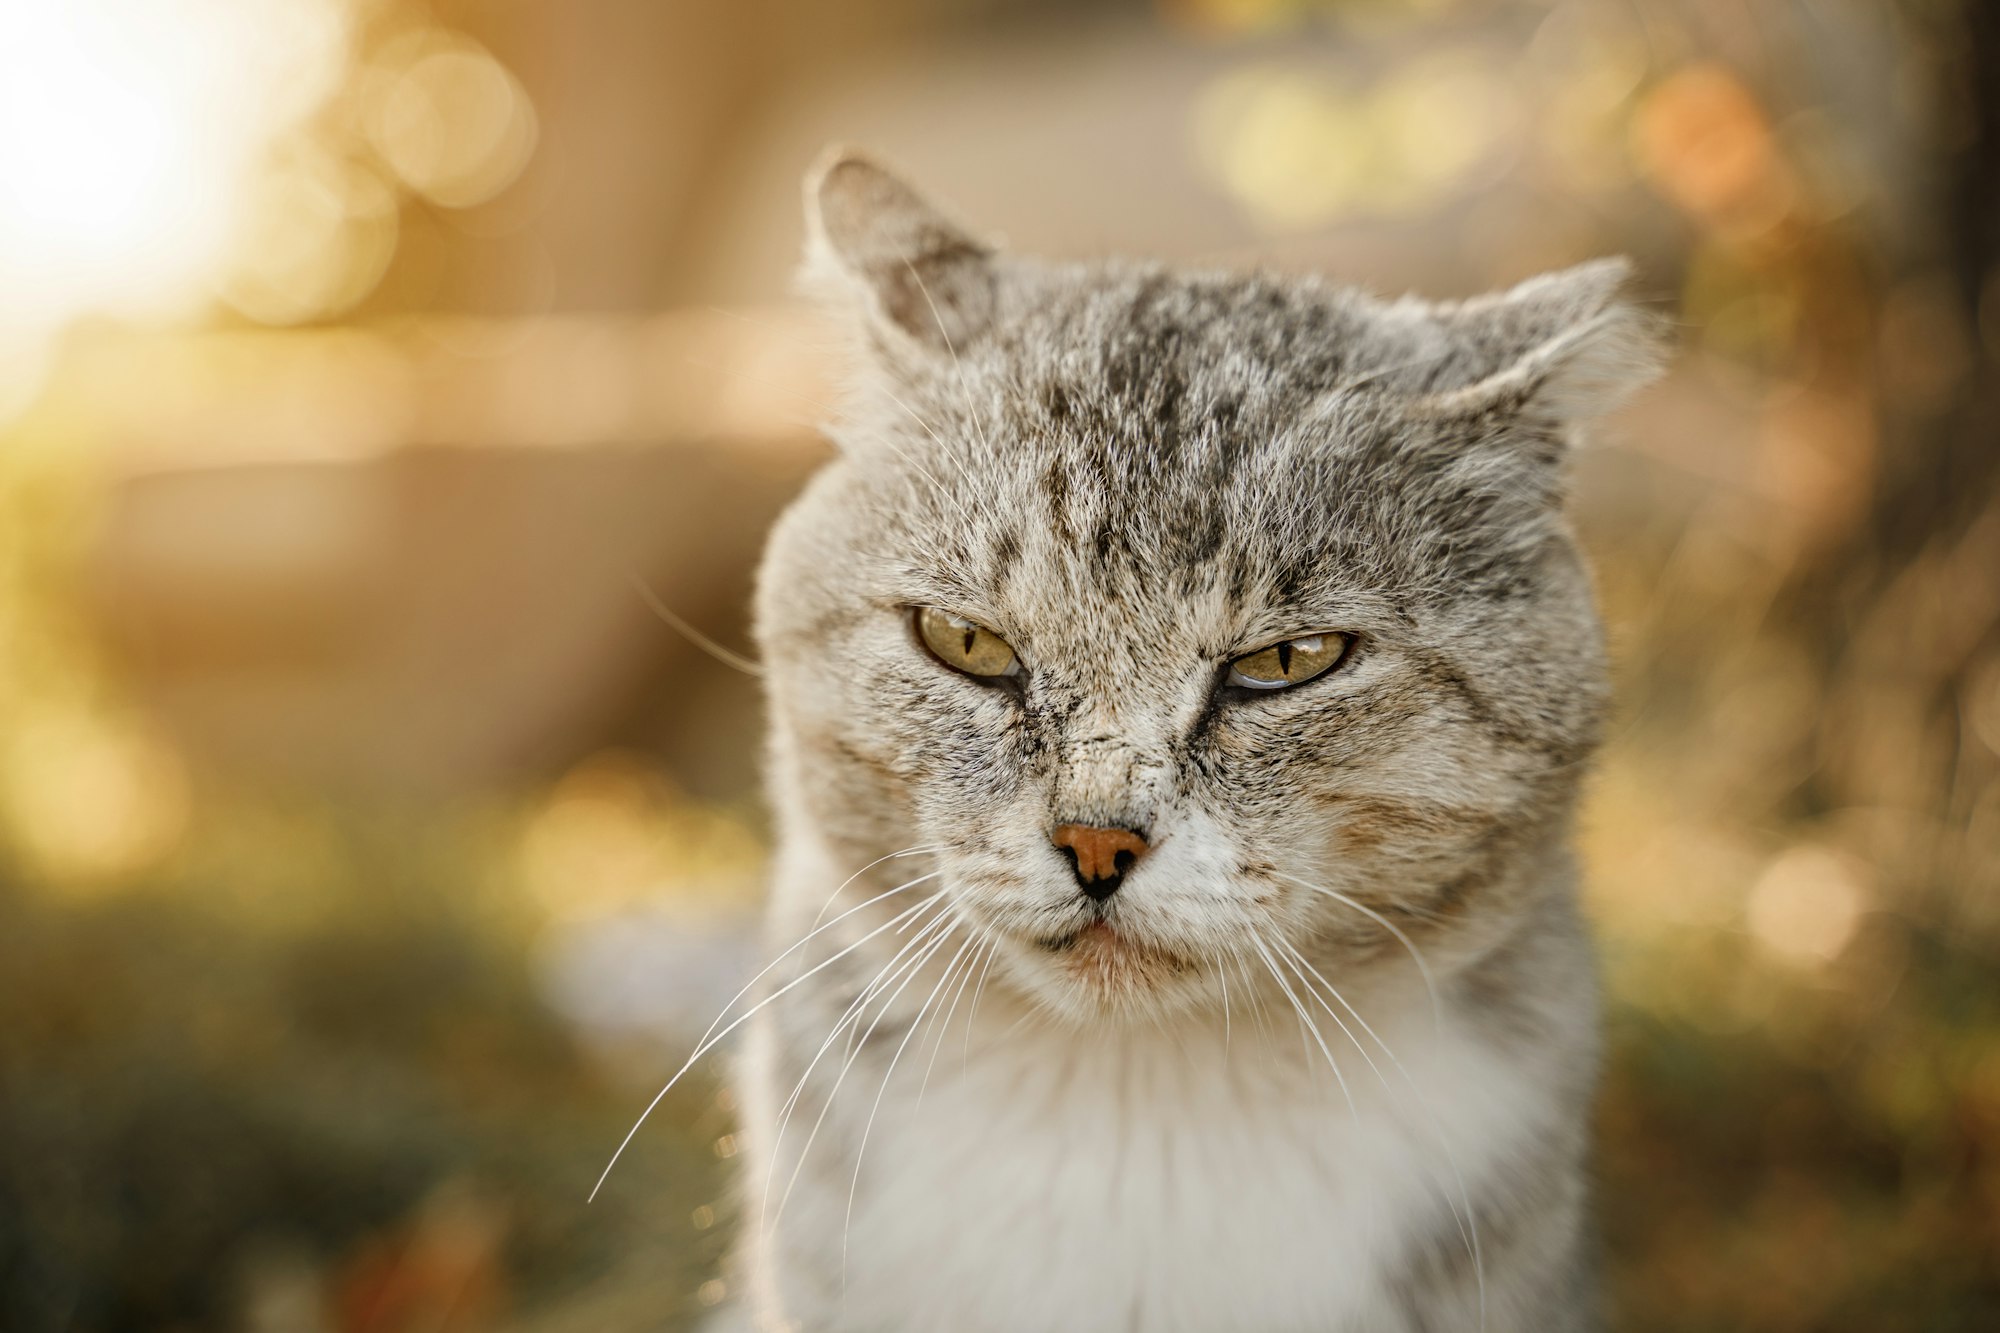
(969, 748)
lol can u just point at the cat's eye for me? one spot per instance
(1293, 662)
(964, 645)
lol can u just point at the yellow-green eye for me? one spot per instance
(964, 646)
(1293, 662)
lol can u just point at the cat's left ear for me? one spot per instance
(1564, 347)
(917, 275)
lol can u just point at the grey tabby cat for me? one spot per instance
(1179, 689)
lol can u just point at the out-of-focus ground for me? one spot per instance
(370, 851)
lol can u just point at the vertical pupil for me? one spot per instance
(1284, 659)
(970, 635)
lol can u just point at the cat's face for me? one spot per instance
(1268, 578)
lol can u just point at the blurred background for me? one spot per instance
(369, 850)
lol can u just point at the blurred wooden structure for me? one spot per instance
(428, 585)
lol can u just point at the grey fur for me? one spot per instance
(1134, 474)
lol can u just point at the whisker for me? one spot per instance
(868, 1128)
(733, 660)
(807, 938)
(1257, 942)
(1262, 1026)
(1468, 1220)
(883, 977)
(926, 949)
(985, 940)
(919, 850)
(1223, 977)
(1430, 985)
(711, 1037)
(972, 1014)
(1293, 959)
(908, 958)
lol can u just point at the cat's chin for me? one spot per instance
(1099, 946)
(1099, 969)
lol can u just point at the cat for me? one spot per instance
(1179, 689)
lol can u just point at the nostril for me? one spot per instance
(1100, 857)
(1097, 890)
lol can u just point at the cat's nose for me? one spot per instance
(1100, 856)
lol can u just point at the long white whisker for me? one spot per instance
(733, 660)
(817, 929)
(972, 1014)
(910, 972)
(1222, 976)
(985, 941)
(904, 957)
(1430, 985)
(1293, 959)
(1262, 1024)
(861, 1152)
(883, 977)
(919, 850)
(1257, 943)
(907, 957)
(712, 1037)
(1468, 1220)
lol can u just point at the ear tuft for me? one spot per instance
(916, 272)
(1564, 345)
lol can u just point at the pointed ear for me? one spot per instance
(1562, 346)
(871, 238)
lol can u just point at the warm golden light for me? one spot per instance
(317, 233)
(1806, 905)
(90, 800)
(1288, 147)
(450, 121)
(1298, 148)
(127, 131)
(614, 835)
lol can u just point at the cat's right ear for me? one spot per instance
(872, 240)
(1564, 345)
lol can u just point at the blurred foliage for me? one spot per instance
(200, 1103)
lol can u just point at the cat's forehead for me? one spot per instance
(1146, 440)
(1126, 438)
(1131, 350)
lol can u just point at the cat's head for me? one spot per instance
(1190, 618)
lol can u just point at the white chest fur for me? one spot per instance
(1159, 1182)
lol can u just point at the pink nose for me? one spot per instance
(1101, 855)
